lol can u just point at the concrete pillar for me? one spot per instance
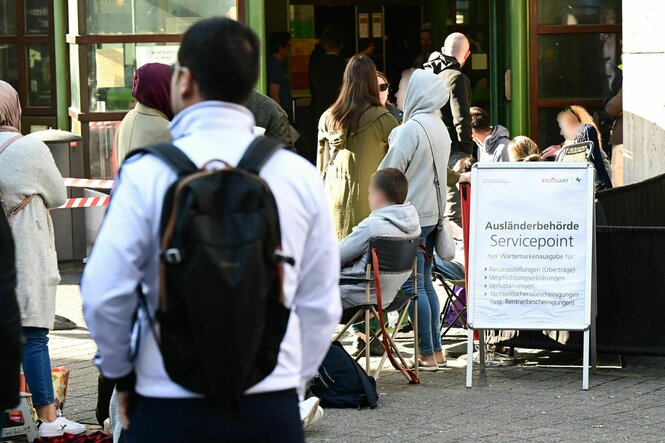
(644, 92)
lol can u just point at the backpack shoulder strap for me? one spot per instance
(258, 153)
(169, 154)
(6, 144)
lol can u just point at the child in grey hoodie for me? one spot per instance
(392, 216)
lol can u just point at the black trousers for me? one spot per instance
(271, 418)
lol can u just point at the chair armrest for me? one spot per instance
(352, 280)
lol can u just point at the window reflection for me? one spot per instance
(152, 16)
(111, 68)
(7, 17)
(579, 12)
(102, 143)
(9, 64)
(39, 74)
(36, 17)
(576, 65)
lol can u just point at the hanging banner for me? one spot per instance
(531, 244)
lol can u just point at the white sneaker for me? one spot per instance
(50, 429)
(71, 427)
(309, 411)
(108, 430)
(318, 416)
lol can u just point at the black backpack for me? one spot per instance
(221, 312)
(341, 383)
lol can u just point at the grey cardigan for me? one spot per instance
(27, 168)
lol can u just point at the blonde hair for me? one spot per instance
(582, 116)
(522, 148)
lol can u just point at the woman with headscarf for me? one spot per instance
(146, 124)
(30, 185)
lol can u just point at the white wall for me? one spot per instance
(644, 88)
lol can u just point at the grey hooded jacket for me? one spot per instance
(495, 148)
(410, 146)
(396, 221)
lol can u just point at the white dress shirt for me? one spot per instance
(126, 253)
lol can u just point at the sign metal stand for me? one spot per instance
(589, 329)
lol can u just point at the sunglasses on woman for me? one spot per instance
(383, 87)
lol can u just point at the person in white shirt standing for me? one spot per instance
(218, 65)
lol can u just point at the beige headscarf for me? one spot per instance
(10, 109)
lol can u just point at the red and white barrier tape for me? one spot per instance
(88, 183)
(86, 202)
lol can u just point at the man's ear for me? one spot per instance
(468, 53)
(186, 86)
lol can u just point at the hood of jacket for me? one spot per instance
(337, 138)
(404, 217)
(426, 93)
(439, 62)
(497, 134)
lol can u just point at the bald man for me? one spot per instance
(457, 113)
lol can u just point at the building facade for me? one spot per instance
(73, 61)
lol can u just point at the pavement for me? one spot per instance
(537, 400)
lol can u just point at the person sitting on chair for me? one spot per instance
(393, 217)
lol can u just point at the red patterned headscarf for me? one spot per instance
(152, 87)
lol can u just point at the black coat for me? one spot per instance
(11, 339)
(326, 72)
(456, 114)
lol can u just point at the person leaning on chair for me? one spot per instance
(393, 217)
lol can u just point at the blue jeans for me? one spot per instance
(37, 366)
(429, 323)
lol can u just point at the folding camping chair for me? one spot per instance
(577, 152)
(453, 303)
(386, 256)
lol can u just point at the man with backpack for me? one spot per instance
(222, 249)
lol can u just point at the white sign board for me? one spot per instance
(531, 246)
(166, 54)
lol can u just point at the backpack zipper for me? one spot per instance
(320, 377)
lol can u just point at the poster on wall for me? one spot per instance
(377, 25)
(531, 246)
(110, 64)
(363, 25)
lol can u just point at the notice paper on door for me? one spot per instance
(110, 67)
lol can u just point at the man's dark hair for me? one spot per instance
(277, 41)
(393, 183)
(331, 38)
(223, 57)
(480, 119)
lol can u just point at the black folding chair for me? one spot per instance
(386, 256)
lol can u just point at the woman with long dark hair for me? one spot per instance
(353, 139)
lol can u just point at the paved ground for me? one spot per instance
(538, 400)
